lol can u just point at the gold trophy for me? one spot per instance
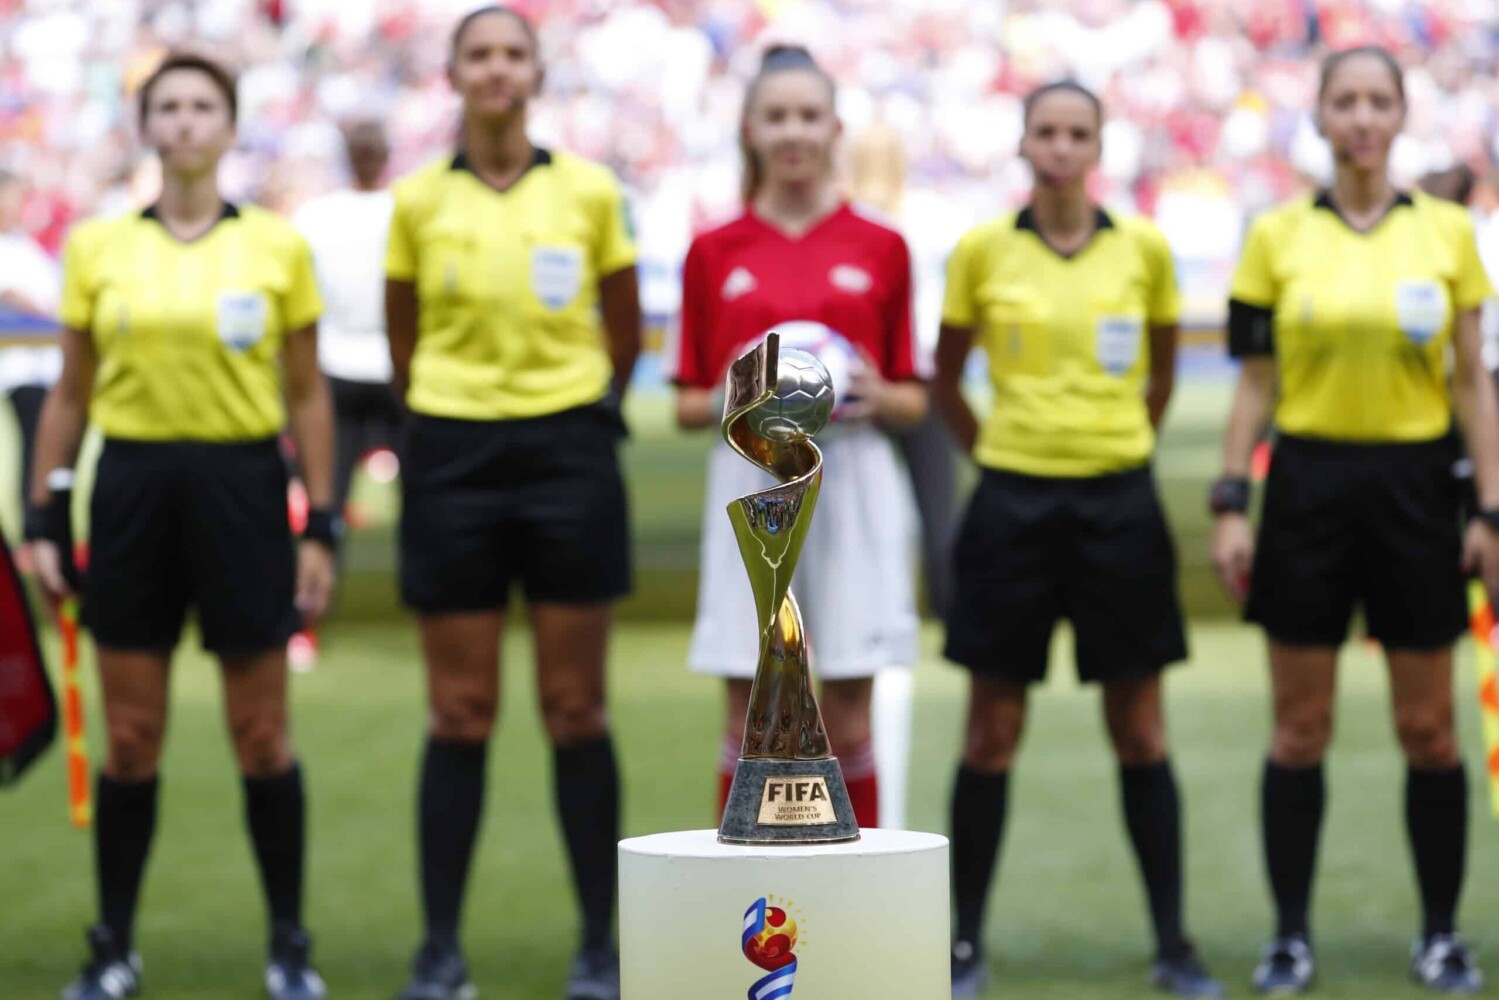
(788, 787)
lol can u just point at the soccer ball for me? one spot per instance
(802, 403)
(838, 356)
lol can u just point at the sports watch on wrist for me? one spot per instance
(1229, 495)
(50, 522)
(324, 526)
(1489, 516)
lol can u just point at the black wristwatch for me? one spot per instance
(52, 522)
(1489, 516)
(324, 526)
(1229, 495)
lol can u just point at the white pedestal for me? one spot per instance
(871, 918)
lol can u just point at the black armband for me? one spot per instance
(1229, 495)
(1251, 330)
(324, 526)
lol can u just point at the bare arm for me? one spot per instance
(619, 301)
(1478, 414)
(310, 409)
(1254, 400)
(953, 345)
(1162, 372)
(59, 435)
(401, 312)
(22, 302)
(64, 415)
(1233, 538)
(1477, 409)
(311, 414)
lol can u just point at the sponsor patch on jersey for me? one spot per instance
(739, 282)
(851, 279)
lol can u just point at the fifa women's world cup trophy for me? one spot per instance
(788, 787)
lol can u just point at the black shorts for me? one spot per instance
(1093, 550)
(487, 503)
(1349, 525)
(182, 524)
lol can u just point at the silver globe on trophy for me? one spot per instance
(788, 787)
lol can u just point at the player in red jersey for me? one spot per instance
(801, 261)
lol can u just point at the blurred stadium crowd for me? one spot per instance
(1208, 101)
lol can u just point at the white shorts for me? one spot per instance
(854, 582)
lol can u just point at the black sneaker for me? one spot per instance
(969, 973)
(438, 974)
(1183, 974)
(1287, 966)
(111, 972)
(289, 974)
(1443, 962)
(594, 976)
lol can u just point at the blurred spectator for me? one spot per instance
(1208, 100)
(30, 289)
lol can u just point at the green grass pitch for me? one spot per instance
(1067, 913)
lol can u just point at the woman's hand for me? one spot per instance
(870, 396)
(1481, 555)
(698, 408)
(315, 576)
(47, 557)
(1232, 550)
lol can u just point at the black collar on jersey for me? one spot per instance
(1324, 200)
(227, 212)
(539, 158)
(1027, 220)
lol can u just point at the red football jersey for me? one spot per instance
(848, 273)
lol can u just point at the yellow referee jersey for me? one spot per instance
(507, 284)
(1067, 338)
(189, 333)
(1360, 323)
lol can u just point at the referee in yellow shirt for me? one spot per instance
(1076, 310)
(1349, 309)
(184, 324)
(514, 326)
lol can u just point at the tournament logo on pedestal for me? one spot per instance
(768, 940)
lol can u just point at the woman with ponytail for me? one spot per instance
(514, 324)
(804, 263)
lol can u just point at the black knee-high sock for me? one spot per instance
(979, 802)
(124, 823)
(1436, 817)
(1292, 801)
(276, 813)
(1152, 814)
(586, 781)
(452, 801)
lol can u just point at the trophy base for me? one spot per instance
(788, 802)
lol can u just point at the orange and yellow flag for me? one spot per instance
(1488, 684)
